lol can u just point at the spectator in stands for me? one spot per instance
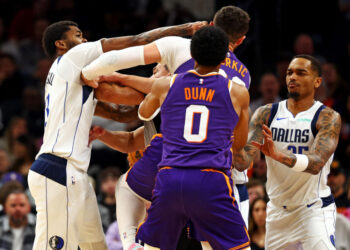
(16, 127)
(269, 88)
(336, 181)
(4, 162)
(17, 226)
(336, 88)
(257, 222)
(106, 199)
(256, 189)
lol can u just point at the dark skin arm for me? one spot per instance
(142, 84)
(187, 29)
(243, 158)
(324, 145)
(117, 113)
(114, 93)
(122, 141)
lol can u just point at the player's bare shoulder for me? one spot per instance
(240, 93)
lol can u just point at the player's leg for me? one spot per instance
(55, 227)
(213, 210)
(206, 245)
(320, 227)
(134, 190)
(84, 209)
(131, 212)
(147, 247)
(242, 198)
(166, 216)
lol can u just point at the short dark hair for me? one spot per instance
(209, 46)
(315, 64)
(54, 32)
(233, 20)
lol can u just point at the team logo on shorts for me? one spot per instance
(56, 242)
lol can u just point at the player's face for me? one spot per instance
(159, 71)
(73, 37)
(17, 207)
(301, 79)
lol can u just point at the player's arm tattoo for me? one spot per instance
(119, 113)
(244, 158)
(117, 43)
(150, 36)
(326, 141)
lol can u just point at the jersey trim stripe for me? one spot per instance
(273, 113)
(64, 104)
(314, 120)
(58, 132)
(76, 129)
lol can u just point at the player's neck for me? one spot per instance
(231, 47)
(296, 106)
(203, 70)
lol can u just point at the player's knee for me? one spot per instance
(148, 247)
(206, 245)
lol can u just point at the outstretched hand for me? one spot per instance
(91, 83)
(268, 147)
(95, 133)
(197, 25)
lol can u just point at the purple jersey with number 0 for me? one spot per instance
(198, 119)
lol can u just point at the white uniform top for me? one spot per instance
(286, 187)
(175, 51)
(70, 106)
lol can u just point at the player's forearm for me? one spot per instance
(244, 158)
(148, 36)
(118, 140)
(113, 93)
(114, 60)
(116, 113)
(142, 84)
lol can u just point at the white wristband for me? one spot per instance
(301, 163)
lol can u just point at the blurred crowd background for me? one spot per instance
(279, 29)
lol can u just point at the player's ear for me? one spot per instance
(240, 40)
(61, 44)
(318, 82)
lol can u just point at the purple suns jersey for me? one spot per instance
(198, 120)
(232, 68)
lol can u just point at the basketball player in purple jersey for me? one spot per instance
(200, 111)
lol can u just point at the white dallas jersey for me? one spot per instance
(286, 187)
(70, 106)
(175, 53)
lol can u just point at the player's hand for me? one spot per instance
(197, 25)
(114, 77)
(95, 133)
(268, 147)
(91, 83)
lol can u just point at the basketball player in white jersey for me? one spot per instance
(67, 213)
(298, 137)
(175, 53)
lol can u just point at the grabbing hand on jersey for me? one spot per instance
(268, 146)
(95, 133)
(92, 83)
